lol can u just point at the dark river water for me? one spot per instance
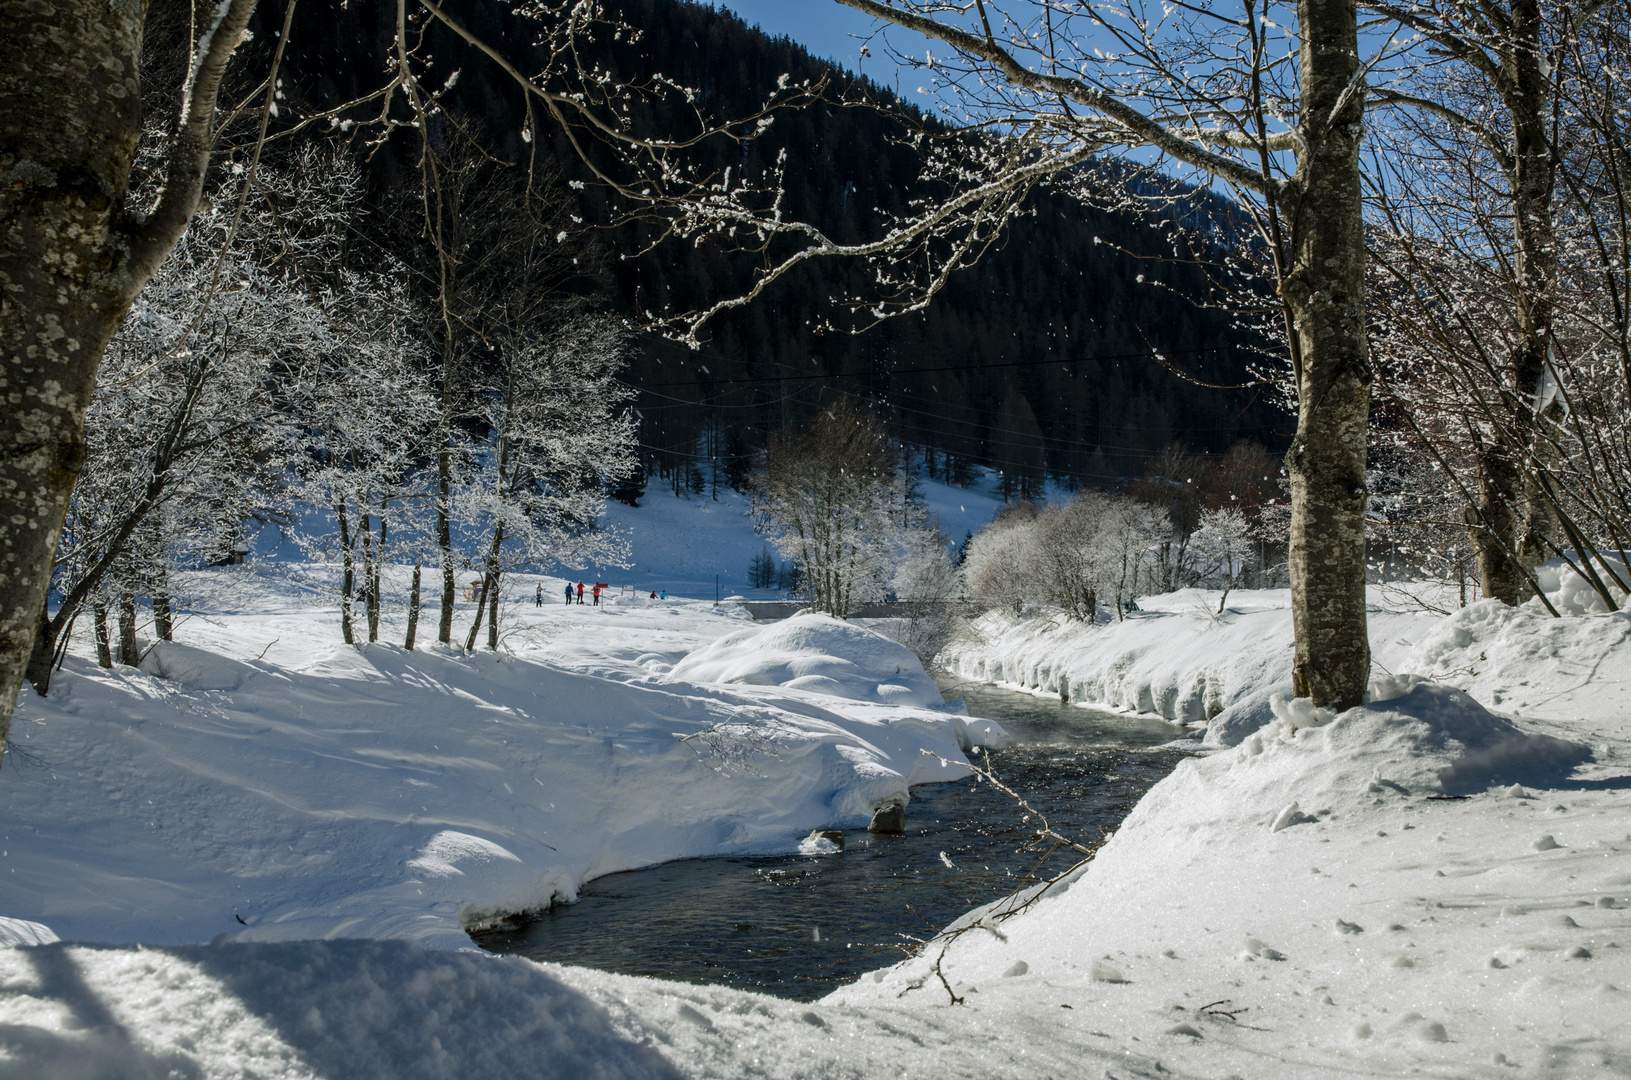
(796, 926)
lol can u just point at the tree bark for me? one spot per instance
(347, 574)
(1324, 292)
(489, 586)
(124, 582)
(492, 614)
(444, 540)
(163, 624)
(104, 650)
(370, 577)
(413, 610)
(1527, 92)
(72, 257)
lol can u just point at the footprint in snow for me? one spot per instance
(1545, 843)
(1344, 927)
(1104, 973)
(1020, 967)
(691, 1016)
(1262, 950)
(1291, 815)
(1184, 1029)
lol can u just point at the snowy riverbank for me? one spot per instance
(1315, 875)
(260, 779)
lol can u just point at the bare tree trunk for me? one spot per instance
(72, 257)
(413, 610)
(1494, 537)
(489, 586)
(41, 656)
(1324, 292)
(1528, 96)
(444, 541)
(374, 577)
(163, 623)
(492, 613)
(104, 652)
(124, 582)
(370, 577)
(347, 575)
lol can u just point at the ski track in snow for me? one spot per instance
(1307, 875)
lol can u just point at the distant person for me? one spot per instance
(663, 595)
(654, 596)
(538, 599)
(580, 593)
(595, 593)
(568, 592)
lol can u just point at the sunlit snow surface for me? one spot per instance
(1311, 880)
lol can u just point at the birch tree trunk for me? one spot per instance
(1324, 292)
(73, 256)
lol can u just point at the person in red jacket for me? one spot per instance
(597, 594)
(580, 592)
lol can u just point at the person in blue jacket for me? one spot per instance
(568, 592)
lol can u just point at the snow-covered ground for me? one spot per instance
(257, 769)
(1415, 886)
(680, 542)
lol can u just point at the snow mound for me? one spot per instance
(815, 653)
(21, 932)
(1429, 739)
(1231, 726)
(302, 1010)
(1572, 594)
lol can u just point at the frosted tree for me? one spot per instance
(558, 436)
(927, 585)
(1069, 556)
(1220, 548)
(1000, 563)
(369, 416)
(187, 435)
(826, 492)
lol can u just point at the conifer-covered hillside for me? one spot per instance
(977, 379)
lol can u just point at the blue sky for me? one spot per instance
(822, 26)
(831, 31)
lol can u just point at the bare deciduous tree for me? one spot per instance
(825, 492)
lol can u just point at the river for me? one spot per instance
(796, 926)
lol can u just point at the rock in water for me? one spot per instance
(889, 818)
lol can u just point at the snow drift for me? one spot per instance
(372, 792)
(817, 654)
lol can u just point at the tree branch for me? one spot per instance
(1139, 128)
(154, 238)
